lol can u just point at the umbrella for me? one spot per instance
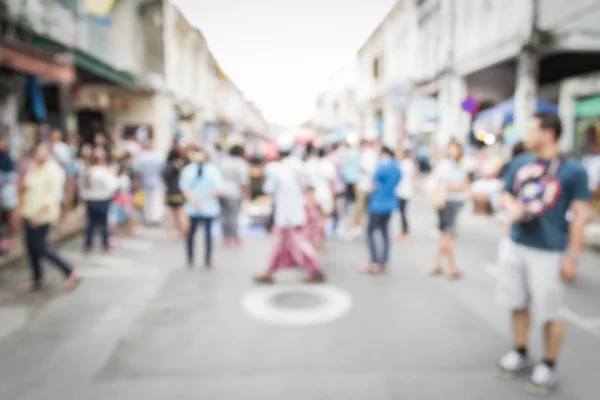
(270, 150)
(304, 136)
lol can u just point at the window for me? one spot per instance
(376, 68)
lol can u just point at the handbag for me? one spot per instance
(437, 197)
(436, 193)
(138, 199)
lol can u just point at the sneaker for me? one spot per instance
(511, 365)
(542, 381)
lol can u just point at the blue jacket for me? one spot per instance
(383, 197)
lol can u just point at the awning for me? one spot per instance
(503, 113)
(89, 63)
(31, 61)
(589, 107)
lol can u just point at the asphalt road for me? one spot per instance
(141, 326)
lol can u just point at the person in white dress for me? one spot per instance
(322, 175)
(405, 191)
(369, 156)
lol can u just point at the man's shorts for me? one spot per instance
(360, 210)
(530, 278)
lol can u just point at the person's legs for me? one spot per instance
(181, 219)
(171, 222)
(150, 206)
(349, 197)
(278, 243)
(33, 246)
(236, 207)
(208, 241)
(226, 219)
(449, 236)
(63, 265)
(513, 292)
(103, 208)
(194, 221)
(441, 250)
(372, 226)
(384, 227)
(93, 221)
(402, 205)
(546, 287)
(304, 255)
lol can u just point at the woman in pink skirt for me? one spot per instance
(292, 246)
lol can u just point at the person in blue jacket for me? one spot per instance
(382, 202)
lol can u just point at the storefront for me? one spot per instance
(25, 107)
(587, 134)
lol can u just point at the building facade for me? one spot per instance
(386, 71)
(140, 65)
(336, 106)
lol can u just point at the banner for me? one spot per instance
(98, 8)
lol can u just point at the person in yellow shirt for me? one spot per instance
(43, 184)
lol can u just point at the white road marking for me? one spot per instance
(102, 260)
(257, 303)
(594, 323)
(114, 273)
(582, 323)
(134, 244)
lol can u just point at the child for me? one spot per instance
(122, 205)
(311, 228)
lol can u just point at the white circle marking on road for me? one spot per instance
(258, 304)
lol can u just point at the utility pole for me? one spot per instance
(527, 73)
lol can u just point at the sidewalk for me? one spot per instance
(72, 224)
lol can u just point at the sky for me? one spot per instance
(281, 53)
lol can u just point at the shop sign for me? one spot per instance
(398, 96)
(34, 63)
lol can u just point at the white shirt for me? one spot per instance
(124, 183)
(405, 188)
(368, 164)
(287, 176)
(321, 174)
(62, 154)
(98, 183)
(132, 147)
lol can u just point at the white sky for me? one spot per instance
(280, 53)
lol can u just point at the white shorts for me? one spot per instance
(530, 278)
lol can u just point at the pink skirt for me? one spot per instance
(292, 248)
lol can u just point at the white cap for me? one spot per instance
(285, 142)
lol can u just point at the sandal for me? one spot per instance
(70, 283)
(455, 275)
(436, 271)
(264, 279)
(31, 287)
(317, 277)
(369, 269)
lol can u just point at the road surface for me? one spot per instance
(142, 326)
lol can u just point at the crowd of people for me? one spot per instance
(317, 192)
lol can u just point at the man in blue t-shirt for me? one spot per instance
(541, 189)
(382, 202)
